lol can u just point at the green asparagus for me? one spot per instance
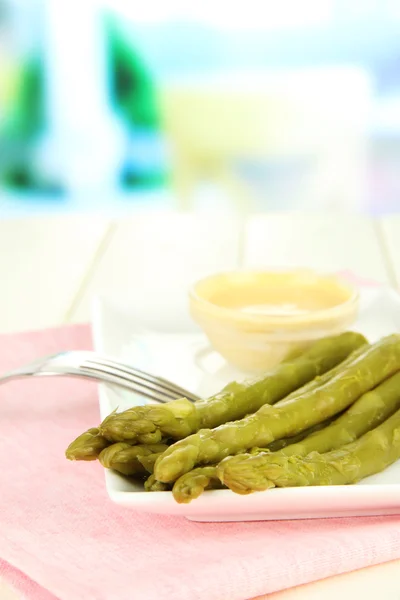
(371, 407)
(192, 484)
(313, 384)
(180, 418)
(320, 380)
(140, 421)
(155, 437)
(210, 446)
(152, 485)
(124, 458)
(295, 439)
(87, 446)
(370, 454)
(369, 411)
(149, 461)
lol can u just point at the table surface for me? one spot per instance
(53, 266)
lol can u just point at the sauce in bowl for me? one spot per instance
(256, 319)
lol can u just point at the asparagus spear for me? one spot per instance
(155, 437)
(152, 485)
(210, 446)
(313, 384)
(87, 446)
(325, 377)
(371, 407)
(370, 454)
(180, 418)
(139, 421)
(191, 485)
(124, 458)
(369, 411)
(149, 461)
(295, 439)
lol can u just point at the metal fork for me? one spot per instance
(90, 365)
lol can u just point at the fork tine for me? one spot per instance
(143, 378)
(157, 396)
(143, 386)
(117, 373)
(147, 376)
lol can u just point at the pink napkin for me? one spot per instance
(61, 537)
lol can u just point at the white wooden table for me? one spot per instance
(51, 267)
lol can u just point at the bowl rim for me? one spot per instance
(320, 315)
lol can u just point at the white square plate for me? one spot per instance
(173, 348)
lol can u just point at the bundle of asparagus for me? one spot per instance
(245, 473)
(180, 418)
(330, 415)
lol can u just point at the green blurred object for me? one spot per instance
(22, 126)
(132, 88)
(134, 94)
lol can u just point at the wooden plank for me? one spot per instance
(322, 242)
(152, 259)
(389, 231)
(43, 262)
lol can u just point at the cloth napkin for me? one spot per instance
(62, 538)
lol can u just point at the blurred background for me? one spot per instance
(259, 105)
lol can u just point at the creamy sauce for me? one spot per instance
(274, 309)
(256, 319)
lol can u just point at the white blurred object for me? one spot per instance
(84, 144)
(303, 131)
